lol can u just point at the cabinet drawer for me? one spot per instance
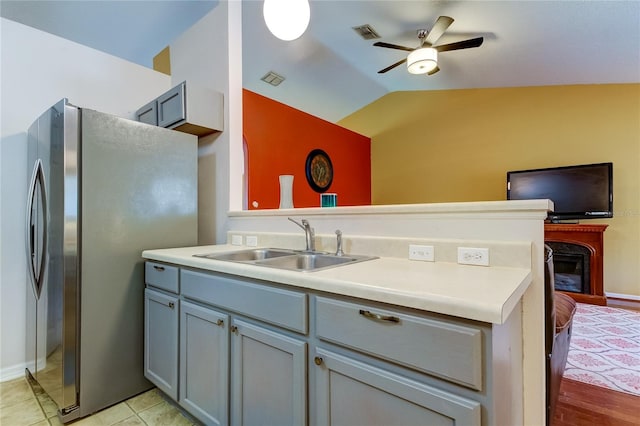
(277, 306)
(450, 351)
(161, 276)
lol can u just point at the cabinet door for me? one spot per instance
(269, 377)
(349, 392)
(171, 106)
(204, 363)
(161, 341)
(148, 113)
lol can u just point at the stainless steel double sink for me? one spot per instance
(293, 260)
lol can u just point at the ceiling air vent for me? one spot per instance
(272, 78)
(366, 32)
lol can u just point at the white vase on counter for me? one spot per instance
(286, 191)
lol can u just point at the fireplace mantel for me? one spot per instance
(592, 237)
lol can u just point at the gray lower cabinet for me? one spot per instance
(351, 392)
(269, 377)
(263, 371)
(204, 363)
(242, 347)
(259, 353)
(161, 341)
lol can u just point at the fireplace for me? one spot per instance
(578, 260)
(571, 264)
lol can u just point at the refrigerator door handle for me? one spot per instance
(30, 225)
(36, 269)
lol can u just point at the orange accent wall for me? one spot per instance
(278, 140)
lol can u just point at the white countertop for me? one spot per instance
(538, 208)
(486, 294)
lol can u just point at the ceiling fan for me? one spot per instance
(424, 58)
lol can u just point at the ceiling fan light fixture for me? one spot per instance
(286, 19)
(423, 60)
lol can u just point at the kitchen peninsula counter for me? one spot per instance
(487, 294)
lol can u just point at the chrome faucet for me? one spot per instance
(339, 251)
(308, 233)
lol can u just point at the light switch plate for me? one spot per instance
(252, 241)
(421, 252)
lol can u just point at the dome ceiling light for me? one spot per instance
(422, 60)
(286, 19)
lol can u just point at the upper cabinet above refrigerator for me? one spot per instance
(187, 108)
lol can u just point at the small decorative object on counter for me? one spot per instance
(329, 199)
(286, 191)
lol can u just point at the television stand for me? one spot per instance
(591, 238)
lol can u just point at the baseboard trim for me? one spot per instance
(623, 301)
(623, 296)
(12, 372)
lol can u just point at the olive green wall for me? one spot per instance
(457, 145)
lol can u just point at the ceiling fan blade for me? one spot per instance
(465, 44)
(441, 25)
(433, 71)
(392, 46)
(390, 67)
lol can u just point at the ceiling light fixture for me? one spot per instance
(423, 60)
(286, 19)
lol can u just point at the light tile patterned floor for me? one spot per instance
(24, 405)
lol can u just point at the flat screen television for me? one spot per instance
(578, 192)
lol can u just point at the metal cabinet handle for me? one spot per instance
(220, 322)
(172, 305)
(158, 268)
(318, 360)
(234, 329)
(379, 317)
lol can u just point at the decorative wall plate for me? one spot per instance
(319, 170)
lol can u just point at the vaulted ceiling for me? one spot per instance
(331, 71)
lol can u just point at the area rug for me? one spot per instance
(605, 348)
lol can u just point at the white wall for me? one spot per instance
(37, 70)
(210, 54)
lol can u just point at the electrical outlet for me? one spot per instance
(236, 240)
(473, 256)
(420, 252)
(252, 241)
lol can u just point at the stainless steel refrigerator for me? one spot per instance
(101, 190)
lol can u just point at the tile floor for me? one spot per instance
(24, 405)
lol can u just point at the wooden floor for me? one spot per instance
(633, 305)
(582, 404)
